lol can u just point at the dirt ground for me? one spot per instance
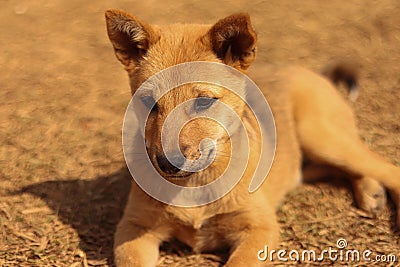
(63, 181)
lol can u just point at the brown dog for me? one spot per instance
(312, 120)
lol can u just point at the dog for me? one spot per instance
(313, 121)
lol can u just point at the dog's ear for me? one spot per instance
(233, 40)
(130, 36)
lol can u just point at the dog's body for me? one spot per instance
(312, 119)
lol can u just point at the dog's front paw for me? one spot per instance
(370, 195)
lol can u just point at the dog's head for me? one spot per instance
(145, 49)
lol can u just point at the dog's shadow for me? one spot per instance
(92, 207)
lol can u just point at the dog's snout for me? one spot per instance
(173, 166)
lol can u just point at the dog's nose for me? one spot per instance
(172, 167)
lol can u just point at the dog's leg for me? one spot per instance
(248, 233)
(246, 252)
(369, 194)
(325, 143)
(135, 246)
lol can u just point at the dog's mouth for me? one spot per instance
(178, 167)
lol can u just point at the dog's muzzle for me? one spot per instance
(173, 167)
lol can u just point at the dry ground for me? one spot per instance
(63, 181)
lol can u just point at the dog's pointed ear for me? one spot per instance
(130, 36)
(233, 40)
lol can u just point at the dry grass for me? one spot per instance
(63, 181)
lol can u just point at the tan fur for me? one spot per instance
(312, 119)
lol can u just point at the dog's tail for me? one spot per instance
(345, 73)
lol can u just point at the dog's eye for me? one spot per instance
(150, 103)
(203, 103)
